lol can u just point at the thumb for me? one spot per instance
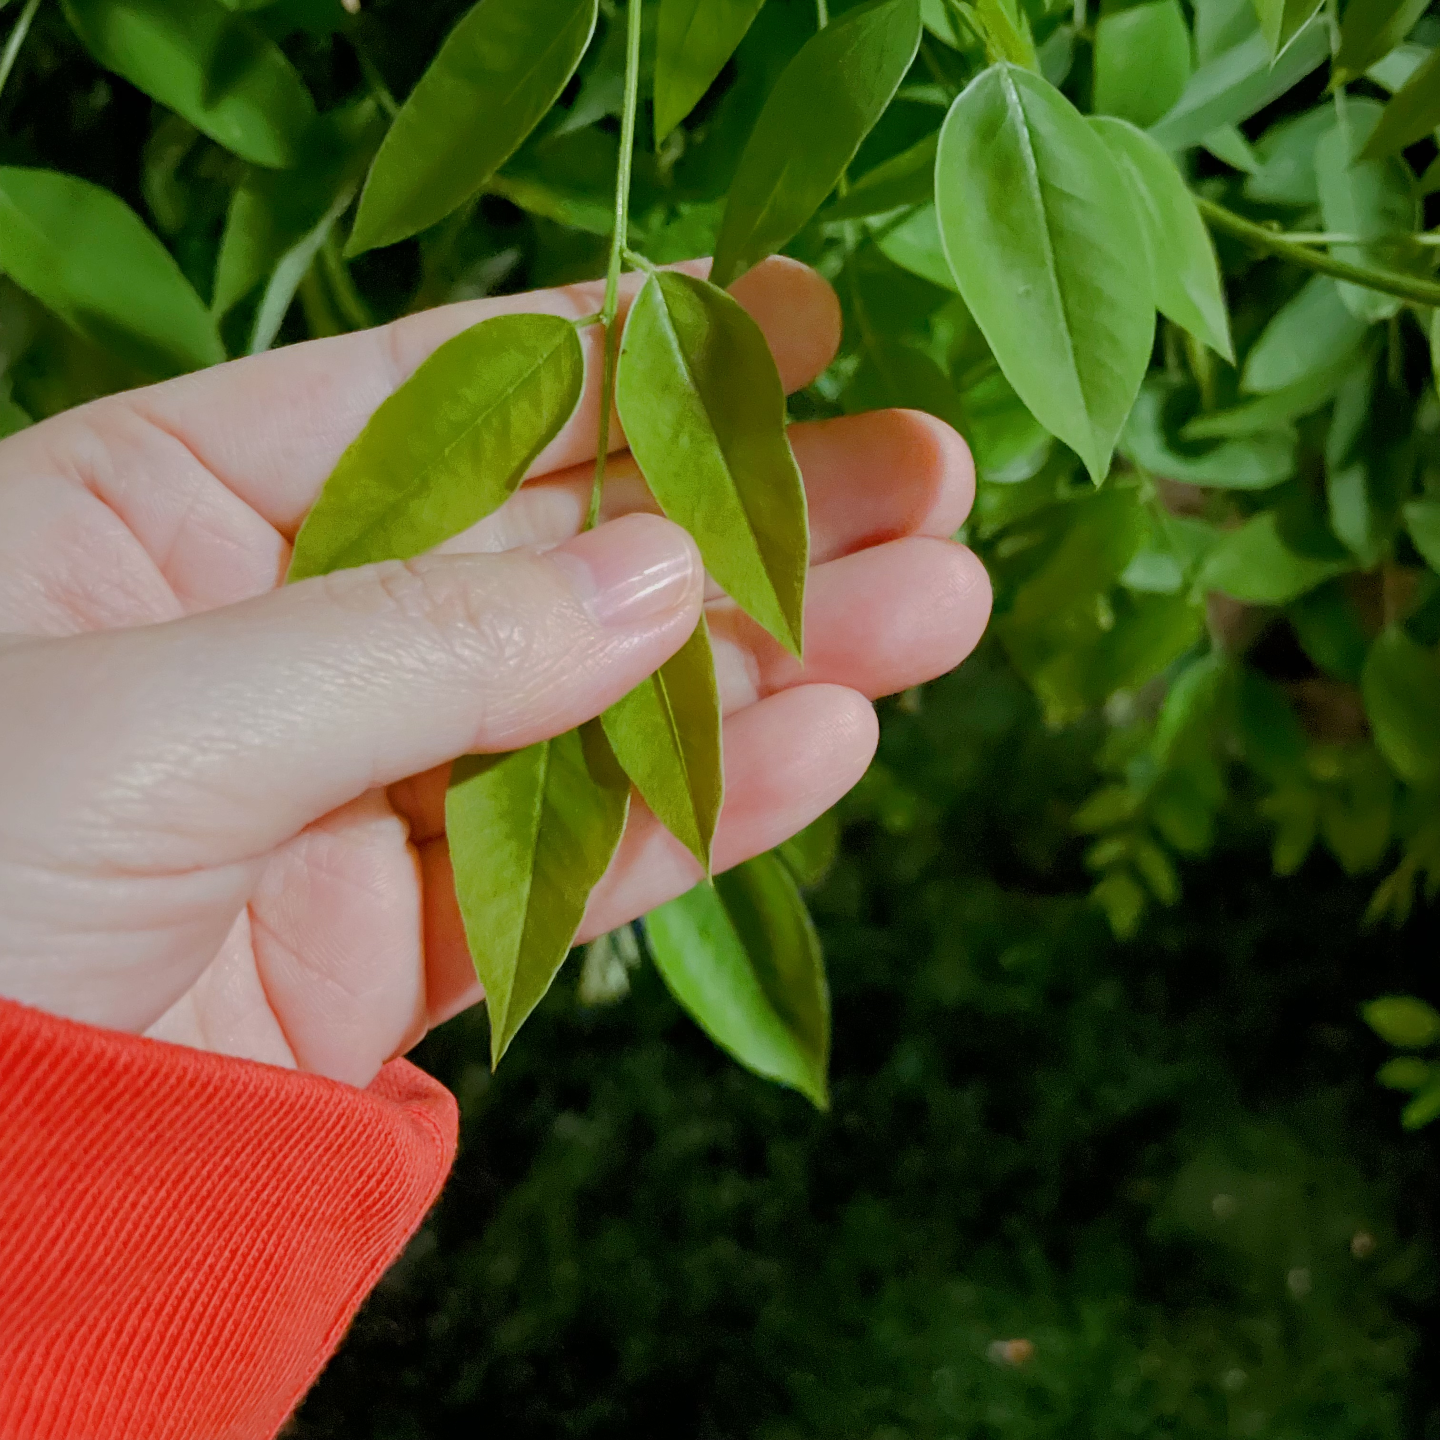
(211, 739)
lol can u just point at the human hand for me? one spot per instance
(222, 801)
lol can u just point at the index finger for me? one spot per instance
(271, 427)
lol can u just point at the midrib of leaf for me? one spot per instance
(673, 727)
(536, 831)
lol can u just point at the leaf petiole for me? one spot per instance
(639, 262)
(586, 321)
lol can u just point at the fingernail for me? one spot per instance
(631, 570)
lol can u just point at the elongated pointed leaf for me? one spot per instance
(695, 39)
(1282, 20)
(1373, 199)
(1041, 237)
(86, 255)
(1370, 30)
(448, 447)
(1255, 463)
(1401, 686)
(1183, 267)
(1412, 114)
(218, 70)
(1303, 339)
(531, 833)
(905, 179)
(825, 103)
(1403, 1021)
(1142, 61)
(666, 735)
(704, 412)
(500, 69)
(743, 958)
(1257, 564)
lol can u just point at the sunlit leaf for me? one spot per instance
(743, 958)
(1401, 686)
(695, 39)
(448, 447)
(498, 72)
(1142, 61)
(704, 412)
(822, 107)
(530, 834)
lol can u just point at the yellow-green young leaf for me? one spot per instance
(1303, 340)
(1370, 30)
(500, 69)
(695, 39)
(824, 104)
(1183, 267)
(218, 70)
(903, 180)
(666, 735)
(1403, 1021)
(743, 958)
(1236, 83)
(531, 833)
(1005, 29)
(1142, 61)
(1401, 687)
(1040, 235)
(1258, 565)
(1412, 114)
(86, 255)
(704, 412)
(1373, 199)
(448, 447)
(1282, 20)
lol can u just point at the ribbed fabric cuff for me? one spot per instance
(184, 1237)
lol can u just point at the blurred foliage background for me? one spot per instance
(1106, 1155)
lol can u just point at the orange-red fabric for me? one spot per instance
(183, 1237)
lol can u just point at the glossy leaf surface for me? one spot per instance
(1412, 114)
(1142, 61)
(825, 103)
(695, 39)
(1040, 236)
(666, 736)
(1401, 686)
(217, 69)
(1183, 268)
(530, 833)
(498, 72)
(742, 957)
(704, 412)
(448, 447)
(84, 254)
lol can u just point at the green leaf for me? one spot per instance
(1330, 632)
(666, 735)
(1005, 29)
(83, 253)
(500, 69)
(824, 104)
(1279, 408)
(903, 180)
(1403, 1021)
(1303, 339)
(1256, 463)
(1037, 227)
(1401, 687)
(704, 412)
(1423, 1109)
(12, 418)
(1235, 84)
(696, 38)
(812, 853)
(1183, 267)
(1220, 25)
(915, 245)
(1373, 199)
(1411, 115)
(1142, 61)
(1422, 521)
(225, 76)
(1229, 145)
(743, 959)
(1256, 564)
(1282, 20)
(1371, 29)
(531, 833)
(448, 447)
(1404, 1072)
(1287, 160)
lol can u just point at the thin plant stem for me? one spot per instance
(16, 40)
(348, 301)
(1388, 282)
(618, 242)
(822, 13)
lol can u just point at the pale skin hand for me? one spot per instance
(221, 802)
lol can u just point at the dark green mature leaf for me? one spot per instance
(1303, 340)
(1412, 114)
(666, 735)
(1142, 61)
(1255, 463)
(498, 72)
(1038, 228)
(83, 253)
(1256, 564)
(1403, 1021)
(1422, 521)
(1373, 199)
(1371, 29)
(704, 412)
(825, 103)
(1401, 686)
(1282, 20)
(225, 76)
(531, 833)
(1183, 268)
(743, 958)
(448, 447)
(1238, 82)
(905, 179)
(12, 418)
(696, 38)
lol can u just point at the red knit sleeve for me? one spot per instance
(183, 1237)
